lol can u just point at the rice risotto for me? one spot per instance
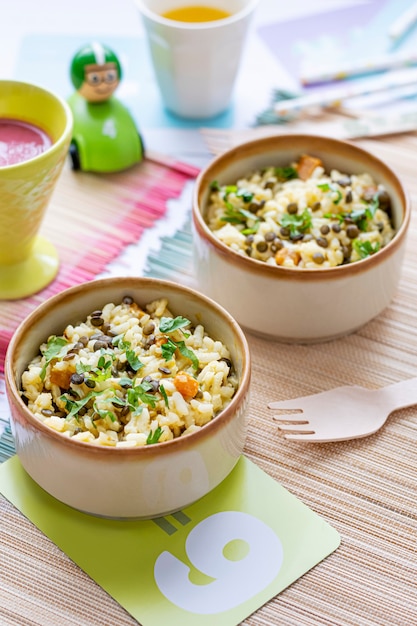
(129, 376)
(300, 216)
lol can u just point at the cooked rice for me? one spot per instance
(129, 376)
(302, 217)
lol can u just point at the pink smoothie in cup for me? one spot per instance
(20, 141)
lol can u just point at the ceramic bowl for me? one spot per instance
(142, 482)
(292, 304)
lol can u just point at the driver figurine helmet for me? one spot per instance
(95, 72)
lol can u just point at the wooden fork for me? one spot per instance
(348, 412)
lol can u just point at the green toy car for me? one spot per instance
(105, 137)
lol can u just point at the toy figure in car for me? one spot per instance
(105, 137)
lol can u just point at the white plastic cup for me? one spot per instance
(196, 63)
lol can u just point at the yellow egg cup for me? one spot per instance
(28, 262)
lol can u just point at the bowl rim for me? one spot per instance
(46, 307)
(269, 143)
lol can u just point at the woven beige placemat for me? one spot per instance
(365, 488)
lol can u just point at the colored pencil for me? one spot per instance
(404, 22)
(350, 69)
(334, 97)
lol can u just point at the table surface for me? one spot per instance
(366, 488)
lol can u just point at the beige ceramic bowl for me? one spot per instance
(127, 482)
(297, 305)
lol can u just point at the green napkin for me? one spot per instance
(222, 557)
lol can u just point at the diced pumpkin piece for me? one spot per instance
(306, 166)
(284, 254)
(186, 384)
(61, 377)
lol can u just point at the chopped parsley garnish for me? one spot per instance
(340, 217)
(125, 382)
(360, 217)
(297, 223)
(285, 173)
(103, 414)
(247, 196)
(365, 248)
(240, 192)
(371, 207)
(133, 360)
(164, 395)
(234, 215)
(81, 368)
(253, 230)
(170, 346)
(334, 190)
(73, 406)
(131, 357)
(154, 436)
(56, 348)
(103, 369)
(229, 189)
(139, 394)
(168, 349)
(169, 325)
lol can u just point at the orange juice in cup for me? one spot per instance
(196, 51)
(196, 13)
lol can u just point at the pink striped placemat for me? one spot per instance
(92, 218)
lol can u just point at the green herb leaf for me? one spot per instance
(133, 360)
(131, 357)
(229, 189)
(73, 406)
(103, 369)
(169, 325)
(154, 436)
(331, 187)
(56, 348)
(170, 346)
(118, 401)
(285, 173)
(168, 349)
(335, 216)
(360, 217)
(214, 186)
(116, 340)
(104, 413)
(324, 186)
(139, 393)
(232, 219)
(125, 381)
(81, 368)
(189, 354)
(234, 215)
(298, 223)
(164, 395)
(372, 207)
(247, 196)
(365, 248)
(248, 215)
(251, 231)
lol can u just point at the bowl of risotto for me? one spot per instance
(300, 237)
(128, 396)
